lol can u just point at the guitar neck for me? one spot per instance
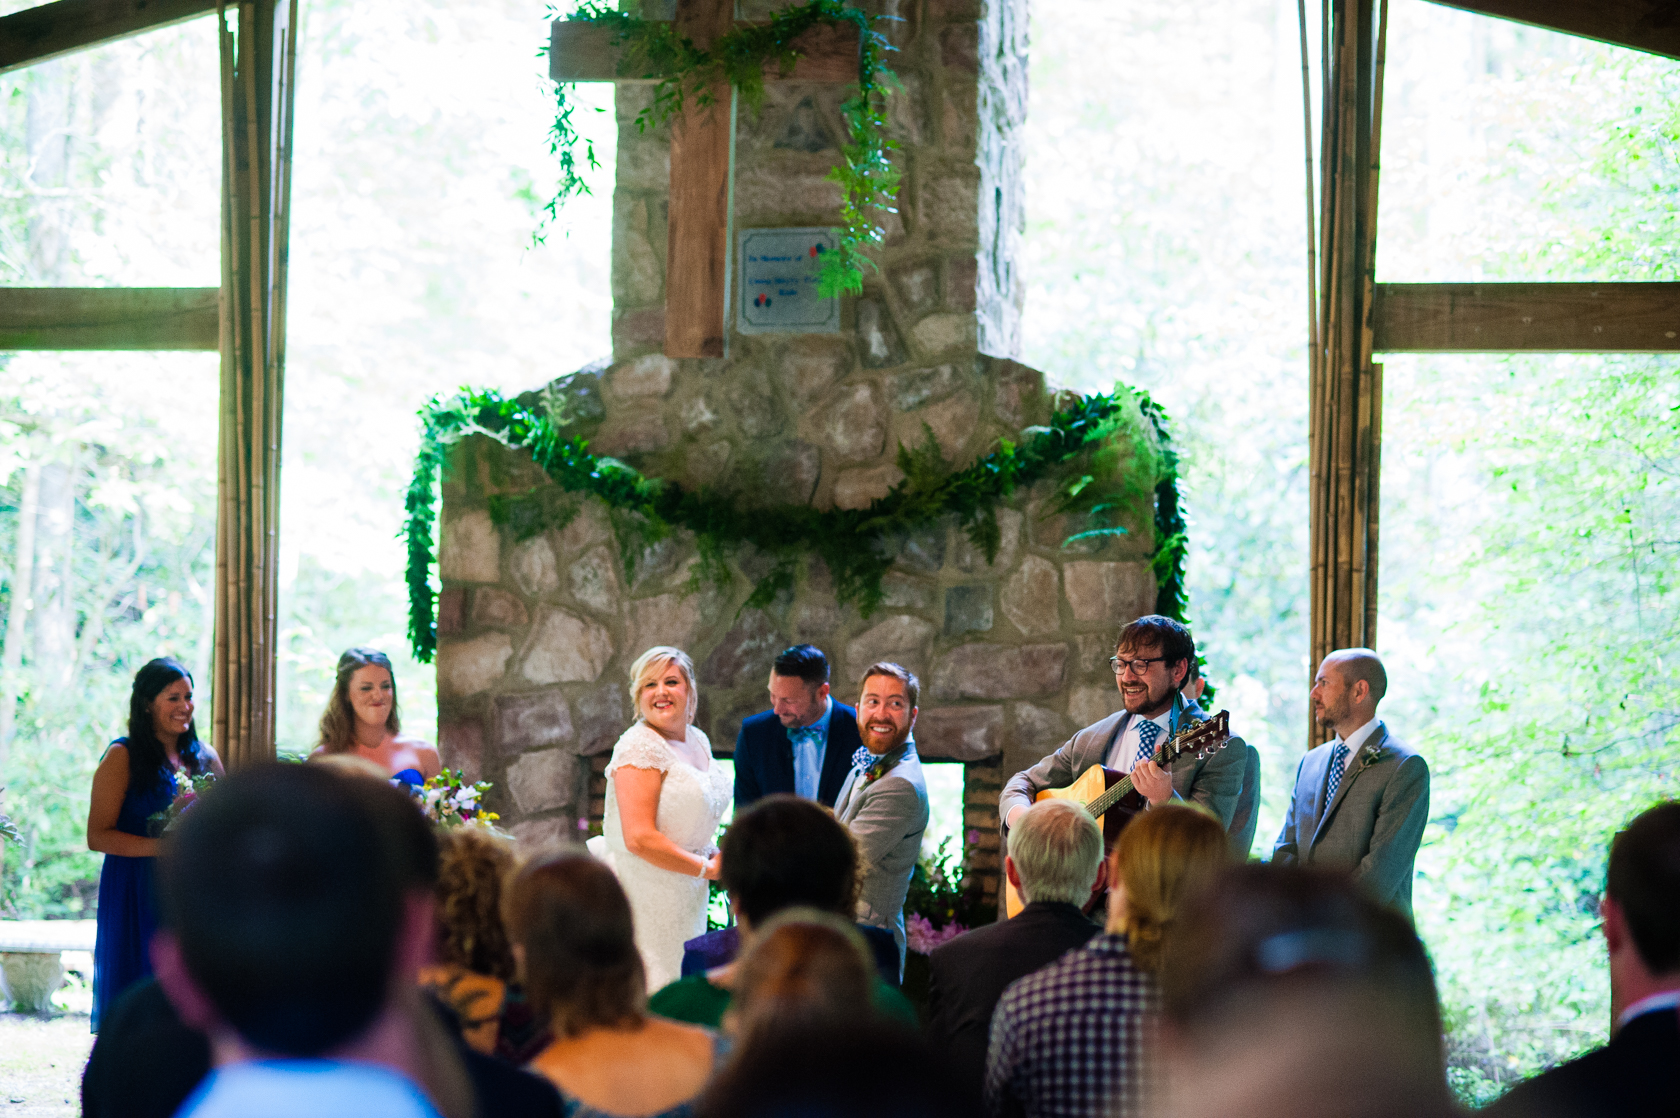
(1121, 789)
(1168, 752)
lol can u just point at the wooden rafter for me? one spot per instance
(109, 318)
(1652, 26)
(1527, 318)
(50, 30)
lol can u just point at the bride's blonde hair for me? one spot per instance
(651, 663)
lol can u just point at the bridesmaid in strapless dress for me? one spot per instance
(135, 780)
(361, 720)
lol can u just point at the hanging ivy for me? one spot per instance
(1078, 445)
(867, 179)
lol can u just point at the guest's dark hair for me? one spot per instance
(1644, 880)
(912, 685)
(285, 886)
(784, 852)
(1260, 931)
(469, 914)
(338, 721)
(803, 661)
(146, 756)
(812, 1070)
(1172, 637)
(582, 970)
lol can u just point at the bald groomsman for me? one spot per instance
(1362, 798)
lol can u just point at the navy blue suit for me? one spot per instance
(764, 756)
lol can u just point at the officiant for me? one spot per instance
(804, 743)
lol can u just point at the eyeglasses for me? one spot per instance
(1138, 667)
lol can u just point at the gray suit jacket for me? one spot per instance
(1213, 781)
(1373, 827)
(1246, 819)
(887, 818)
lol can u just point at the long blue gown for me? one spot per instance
(127, 914)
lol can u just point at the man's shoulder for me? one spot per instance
(764, 722)
(1102, 962)
(1029, 927)
(319, 1087)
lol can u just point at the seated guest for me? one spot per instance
(145, 1061)
(276, 945)
(1291, 992)
(804, 743)
(805, 966)
(781, 853)
(1071, 1040)
(851, 1069)
(884, 802)
(1638, 1072)
(576, 950)
(291, 935)
(473, 962)
(1055, 858)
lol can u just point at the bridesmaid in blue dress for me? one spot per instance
(136, 779)
(361, 720)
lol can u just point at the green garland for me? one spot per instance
(858, 545)
(867, 179)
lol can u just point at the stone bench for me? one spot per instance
(32, 959)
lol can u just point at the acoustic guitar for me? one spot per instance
(1109, 795)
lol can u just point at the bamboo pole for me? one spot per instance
(1345, 387)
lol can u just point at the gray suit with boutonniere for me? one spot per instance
(886, 814)
(1374, 825)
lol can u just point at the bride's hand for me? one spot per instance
(714, 867)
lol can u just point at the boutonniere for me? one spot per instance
(882, 767)
(1369, 756)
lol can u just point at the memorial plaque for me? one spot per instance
(779, 273)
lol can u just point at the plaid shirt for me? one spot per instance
(1068, 1040)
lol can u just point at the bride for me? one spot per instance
(664, 800)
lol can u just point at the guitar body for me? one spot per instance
(1109, 795)
(1091, 783)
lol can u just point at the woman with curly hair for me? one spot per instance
(136, 779)
(361, 720)
(474, 961)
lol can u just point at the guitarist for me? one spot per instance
(1151, 662)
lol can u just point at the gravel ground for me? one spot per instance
(41, 1062)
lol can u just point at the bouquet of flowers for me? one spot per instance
(449, 799)
(187, 791)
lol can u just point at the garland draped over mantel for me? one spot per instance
(867, 179)
(858, 545)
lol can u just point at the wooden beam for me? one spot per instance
(50, 30)
(1527, 318)
(1652, 26)
(585, 52)
(697, 227)
(110, 318)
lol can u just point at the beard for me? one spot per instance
(1150, 699)
(873, 740)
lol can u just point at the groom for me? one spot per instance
(884, 801)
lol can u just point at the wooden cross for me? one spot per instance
(698, 233)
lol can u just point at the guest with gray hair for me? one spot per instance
(1055, 861)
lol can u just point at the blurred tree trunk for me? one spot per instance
(54, 590)
(17, 615)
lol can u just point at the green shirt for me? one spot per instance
(697, 1001)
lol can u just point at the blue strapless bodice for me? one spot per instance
(409, 776)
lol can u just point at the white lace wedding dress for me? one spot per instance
(668, 908)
